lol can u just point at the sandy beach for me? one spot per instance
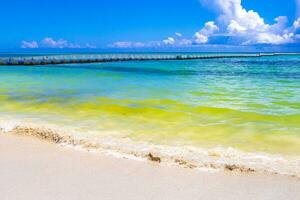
(150, 100)
(35, 169)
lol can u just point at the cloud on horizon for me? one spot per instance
(49, 42)
(176, 40)
(29, 45)
(234, 26)
(131, 44)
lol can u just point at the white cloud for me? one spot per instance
(169, 41)
(127, 44)
(51, 43)
(61, 43)
(178, 34)
(269, 38)
(296, 24)
(29, 45)
(203, 35)
(234, 25)
(247, 26)
(185, 42)
(200, 38)
(280, 25)
(209, 28)
(179, 41)
(232, 11)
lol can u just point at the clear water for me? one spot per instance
(252, 104)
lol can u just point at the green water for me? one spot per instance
(252, 104)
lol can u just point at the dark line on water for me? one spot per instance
(78, 59)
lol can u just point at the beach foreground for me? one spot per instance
(34, 169)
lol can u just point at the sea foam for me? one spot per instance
(211, 160)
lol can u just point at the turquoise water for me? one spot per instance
(252, 104)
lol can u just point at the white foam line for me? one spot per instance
(189, 156)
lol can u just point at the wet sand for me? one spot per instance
(35, 169)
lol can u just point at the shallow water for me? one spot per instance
(251, 104)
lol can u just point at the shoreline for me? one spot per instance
(34, 169)
(217, 159)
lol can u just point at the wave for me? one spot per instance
(214, 159)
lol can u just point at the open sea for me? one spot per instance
(208, 113)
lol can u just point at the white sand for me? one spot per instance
(36, 170)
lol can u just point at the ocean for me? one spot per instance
(208, 113)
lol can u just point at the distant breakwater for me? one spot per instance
(102, 58)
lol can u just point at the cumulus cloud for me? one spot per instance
(177, 40)
(201, 39)
(234, 26)
(29, 45)
(269, 38)
(277, 33)
(209, 29)
(246, 26)
(238, 18)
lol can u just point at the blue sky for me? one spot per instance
(156, 25)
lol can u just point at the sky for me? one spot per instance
(156, 25)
